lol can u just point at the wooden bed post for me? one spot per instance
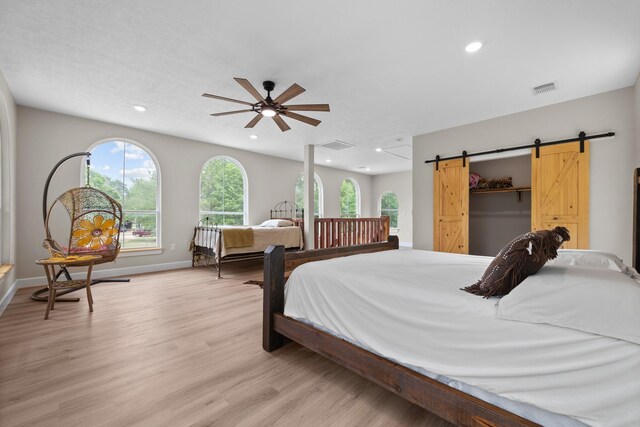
(386, 227)
(273, 296)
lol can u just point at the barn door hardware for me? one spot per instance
(582, 137)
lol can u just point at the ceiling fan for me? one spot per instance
(274, 108)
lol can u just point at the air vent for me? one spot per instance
(547, 87)
(338, 145)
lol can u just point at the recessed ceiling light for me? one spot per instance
(473, 47)
(378, 149)
(253, 136)
(368, 169)
(139, 108)
(328, 160)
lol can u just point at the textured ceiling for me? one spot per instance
(390, 69)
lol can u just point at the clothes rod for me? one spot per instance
(537, 144)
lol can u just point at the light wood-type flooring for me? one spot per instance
(176, 348)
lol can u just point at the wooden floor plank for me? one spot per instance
(177, 348)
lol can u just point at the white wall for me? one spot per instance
(399, 183)
(8, 189)
(612, 160)
(45, 137)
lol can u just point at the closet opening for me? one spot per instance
(497, 215)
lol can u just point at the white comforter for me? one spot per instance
(406, 306)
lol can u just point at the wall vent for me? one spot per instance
(547, 87)
(337, 145)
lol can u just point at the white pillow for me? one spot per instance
(599, 301)
(277, 223)
(592, 259)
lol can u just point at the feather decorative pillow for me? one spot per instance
(522, 257)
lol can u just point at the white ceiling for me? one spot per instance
(389, 69)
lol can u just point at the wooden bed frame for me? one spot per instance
(451, 404)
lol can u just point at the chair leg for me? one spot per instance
(49, 302)
(89, 297)
(53, 301)
(88, 286)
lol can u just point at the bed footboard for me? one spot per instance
(277, 263)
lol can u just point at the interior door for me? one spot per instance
(451, 207)
(560, 191)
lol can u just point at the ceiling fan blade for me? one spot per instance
(226, 113)
(305, 119)
(294, 90)
(307, 107)
(208, 95)
(254, 121)
(281, 124)
(249, 88)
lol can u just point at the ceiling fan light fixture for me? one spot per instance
(268, 111)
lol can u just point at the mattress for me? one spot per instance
(289, 237)
(406, 306)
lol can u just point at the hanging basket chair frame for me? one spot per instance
(96, 219)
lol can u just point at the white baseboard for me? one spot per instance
(6, 299)
(111, 272)
(406, 244)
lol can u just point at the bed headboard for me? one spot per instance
(286, 210)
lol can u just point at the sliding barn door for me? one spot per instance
(560, 191)
(451, 207)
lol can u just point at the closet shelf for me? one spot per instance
(518, 190)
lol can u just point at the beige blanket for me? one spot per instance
(237, 237)
(289, 237)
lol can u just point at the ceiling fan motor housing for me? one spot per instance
(268, 85)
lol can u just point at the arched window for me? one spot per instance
(389, 207)
(317, 194)
(129, 173)
(223, 191)
(349, 199)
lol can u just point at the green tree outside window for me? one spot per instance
(349, 199)
(222, 190)
(299, 197)
(389, 207)
(128, 173)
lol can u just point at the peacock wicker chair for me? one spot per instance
(95, 225)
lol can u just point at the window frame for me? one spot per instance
(358, 199)
(153, 250)
(245, 188)
(397, 210)
(316, 179)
